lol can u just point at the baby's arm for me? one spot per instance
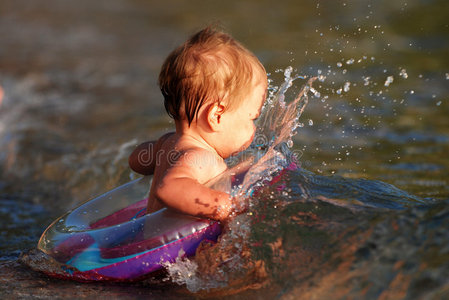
(143, 159)
(180, 189)
(188, 196)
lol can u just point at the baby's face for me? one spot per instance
(238, 124)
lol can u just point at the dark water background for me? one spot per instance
(79, 84)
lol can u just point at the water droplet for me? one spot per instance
(289, 143)
(350, 61)
(339, 64)
(403, 74)
(346, 86)
(366, 80)
(389, 80)
(288, 72)
(439, 103)
(339, 91)
(447, 76)
(311, 121)
(315, 92)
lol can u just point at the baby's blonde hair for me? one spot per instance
(209, 67)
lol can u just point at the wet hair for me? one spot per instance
(209, 67)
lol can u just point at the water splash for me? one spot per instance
(403, 73)
(275, 128)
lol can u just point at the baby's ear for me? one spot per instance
(214, 114)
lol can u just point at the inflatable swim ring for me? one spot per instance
(111, 237)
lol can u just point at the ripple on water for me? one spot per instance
(22, 224)
(416, 167)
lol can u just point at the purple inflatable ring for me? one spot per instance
(111, 238)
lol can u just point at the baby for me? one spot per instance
(214, 89)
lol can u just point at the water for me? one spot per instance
(365, 216)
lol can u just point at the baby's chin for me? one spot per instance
(234, 150)
(238, 150)
(247, 144)
(244, 147)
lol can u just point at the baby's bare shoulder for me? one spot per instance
(200, 164)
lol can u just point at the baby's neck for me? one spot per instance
(196, 135)
(189, 139)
